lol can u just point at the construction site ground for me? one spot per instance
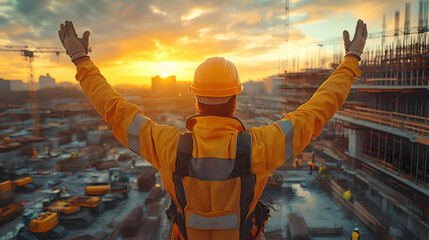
(300, 193)
(75, 186)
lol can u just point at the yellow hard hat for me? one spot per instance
(216, 77)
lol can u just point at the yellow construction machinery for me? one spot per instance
(9, 209)
(21, 183)
(275, 180)
(44, 226)
(118, 183)
(75, 212)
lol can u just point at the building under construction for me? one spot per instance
(381, 134)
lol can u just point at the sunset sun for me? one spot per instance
(164, 74)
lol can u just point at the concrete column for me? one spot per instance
(355, 142)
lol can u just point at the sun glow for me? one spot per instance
(164, 75)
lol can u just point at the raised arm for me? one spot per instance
(282, 141)
(130, 126)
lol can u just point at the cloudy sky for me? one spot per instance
(132, 40)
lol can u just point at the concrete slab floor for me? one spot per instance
(305, 196)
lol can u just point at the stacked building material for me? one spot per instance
(150, 228)
(156, 193)
(154, 210)
(146, 180)
(106, 164)
(297, 227)
(132, 222)
(274, 235)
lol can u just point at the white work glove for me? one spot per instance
(75, 47)
(356, 46)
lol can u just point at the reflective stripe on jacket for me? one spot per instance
(214, 138)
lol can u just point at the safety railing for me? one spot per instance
(404, 122)
(378, 81)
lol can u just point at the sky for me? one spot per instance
(133, 40)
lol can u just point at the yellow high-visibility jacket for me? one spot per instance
(214, 144)
(356, 235)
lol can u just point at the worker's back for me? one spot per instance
(211, 165)
(214, 180)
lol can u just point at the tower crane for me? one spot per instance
(286, 53)
(28, 54)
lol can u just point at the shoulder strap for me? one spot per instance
(184, 154)
(183, 157)
(243, 155)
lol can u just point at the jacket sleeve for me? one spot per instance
(130, 126)
(285, 139)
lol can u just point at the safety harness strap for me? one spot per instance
(184, 155)
(242, 169)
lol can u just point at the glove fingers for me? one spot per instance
(364, 31)
(63, 31)
(72, 28)
(67, 27)
(86, 35)
(346, 36)
(60, 35)
(358, 29)
(85, 40)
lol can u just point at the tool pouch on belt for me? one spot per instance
(262, 213)
(171, 213)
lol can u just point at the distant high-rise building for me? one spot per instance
(67, 85)
(46, 81)
(164, 86)
(254, 88)
(273, 84)
(18, 85)
(4, 85)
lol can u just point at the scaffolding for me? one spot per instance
(400, 65)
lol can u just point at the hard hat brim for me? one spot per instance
(226, 92)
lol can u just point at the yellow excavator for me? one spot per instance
(112, 192)
(21, 183)
(9, 209)
(44, 226)
(76, 212)
(118, 183)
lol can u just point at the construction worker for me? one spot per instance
(216, 172)
(321, 169)
(311, 167)
(339, 162)
(356, 234)
(348, 195)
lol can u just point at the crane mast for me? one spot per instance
(32, 87)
